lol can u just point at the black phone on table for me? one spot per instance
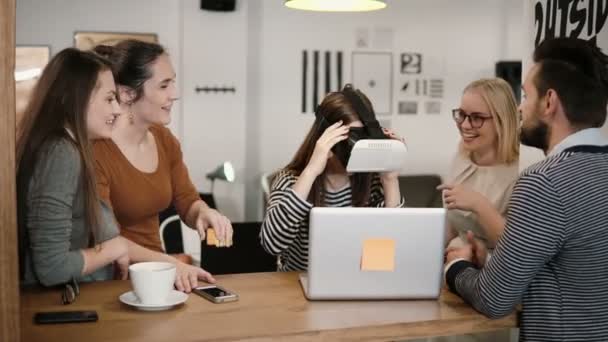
(65, 317)
(216, 294)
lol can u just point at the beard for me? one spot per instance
(536, 136)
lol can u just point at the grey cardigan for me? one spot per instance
(55, 220)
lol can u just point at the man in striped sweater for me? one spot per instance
(553, 254)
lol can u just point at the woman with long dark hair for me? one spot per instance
(64, 231)
(140, 170)
(317, 177)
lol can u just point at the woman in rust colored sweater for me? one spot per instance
(140, 171)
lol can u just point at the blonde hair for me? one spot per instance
(499, 97)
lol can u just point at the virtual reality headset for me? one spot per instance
(367, 148)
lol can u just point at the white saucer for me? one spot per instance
(175, 298)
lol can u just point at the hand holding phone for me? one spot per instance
(215, 294)
(65, 317)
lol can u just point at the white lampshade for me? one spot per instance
(336, 5)
(223, 172)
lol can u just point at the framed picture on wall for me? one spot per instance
(372, 73)
(29, 63)
(88, 40)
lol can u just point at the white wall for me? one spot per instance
(258, 48)
(54, 23)
(214, 54)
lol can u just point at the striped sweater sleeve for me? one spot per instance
(286, 211)
(534, 234)
(376, 197)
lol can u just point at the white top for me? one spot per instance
(494, 182)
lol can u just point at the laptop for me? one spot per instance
(375, 253)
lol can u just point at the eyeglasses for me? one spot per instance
(70, 292)
(475, 119)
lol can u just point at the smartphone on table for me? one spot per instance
(216, 294)
(65, 317)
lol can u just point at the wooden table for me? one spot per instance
(271, 306)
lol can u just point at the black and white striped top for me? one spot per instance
(285, 226)
(553, 255)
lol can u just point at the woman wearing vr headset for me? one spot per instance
(486, 166)
(317, 176)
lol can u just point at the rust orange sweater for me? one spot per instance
(137, 197)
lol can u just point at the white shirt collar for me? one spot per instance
(588, 136)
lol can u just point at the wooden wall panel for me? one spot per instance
(9, 281)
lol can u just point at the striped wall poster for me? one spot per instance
(322, 73)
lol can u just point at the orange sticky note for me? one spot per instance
(378, 255)
(211, 238)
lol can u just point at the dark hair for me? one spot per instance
(576, 70)
(334, 107)
(132, 60)
(60, 101)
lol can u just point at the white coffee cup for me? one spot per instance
(152, 281)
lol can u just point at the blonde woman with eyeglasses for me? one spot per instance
(486, 165)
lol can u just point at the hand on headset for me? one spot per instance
(332, 135)
(392, 135)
